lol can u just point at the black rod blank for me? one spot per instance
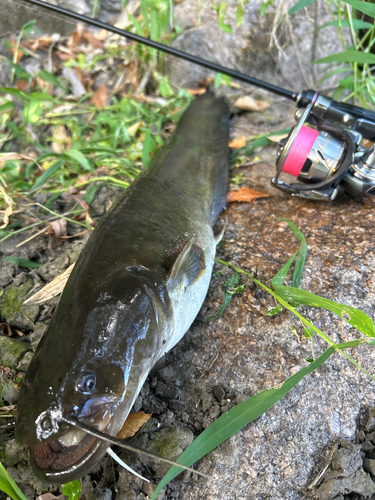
(169, 50)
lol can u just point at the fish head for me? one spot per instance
(92, 376)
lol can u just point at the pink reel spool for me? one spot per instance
(299, 150)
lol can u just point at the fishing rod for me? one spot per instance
(324, 151)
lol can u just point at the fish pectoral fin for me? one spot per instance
(189, 266)
(219, 230)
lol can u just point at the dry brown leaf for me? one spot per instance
(52, 289)
(58, 228)
(15, 48)
(248, 103)
(238, 143)
(102, 35)
(133, 423)
(206, 82)
(40, 43)
(65, 56)
(245, 194)
(100, 97)
(92, 40)
(22, 85)
(197, 91)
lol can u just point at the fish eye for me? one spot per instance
(86, 383)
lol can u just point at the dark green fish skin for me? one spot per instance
(136, 288)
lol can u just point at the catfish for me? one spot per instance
(135, 290)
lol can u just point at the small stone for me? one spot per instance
(361, 435)
(367, 446)
(370, 426)
(23, 365)
(137, 404)
(168, 418)
(369, 465)
(176, 405)
(218, 392)
(214, 411)
(12, 453)
(169, 442)
(11, 351)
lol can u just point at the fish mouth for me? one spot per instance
(74, 453)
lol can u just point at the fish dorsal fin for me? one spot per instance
(188, 267)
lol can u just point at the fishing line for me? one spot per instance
(169, 50)
(119, 442)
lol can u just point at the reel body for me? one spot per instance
(325, 153)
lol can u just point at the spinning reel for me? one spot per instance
(325, 151)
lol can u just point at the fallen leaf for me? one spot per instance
(93, 41)
(133, 129)
(206, 81)
(66, 56)
(197, 91)
(15, 48)
(58, 228)
(245, 194)
(133, 423)
(238, 143)
(22, 85)
(248, 103)
(40, 43)
(100, 97)
(102, 35)
(52, 289)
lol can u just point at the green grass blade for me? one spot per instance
(18, 261)
(299, 6)
(280, 276)
(47, 174)
(349, 56)
(365, 7)
(344, 23)
(50, 78)
(9, 486)
(351, 315)
(76, 155)
(300, 263)
(239, 416)
(230, 289)
(15, 93)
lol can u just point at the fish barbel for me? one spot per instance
(135, 290)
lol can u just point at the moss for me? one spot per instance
(12, 309)
(11, 351)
